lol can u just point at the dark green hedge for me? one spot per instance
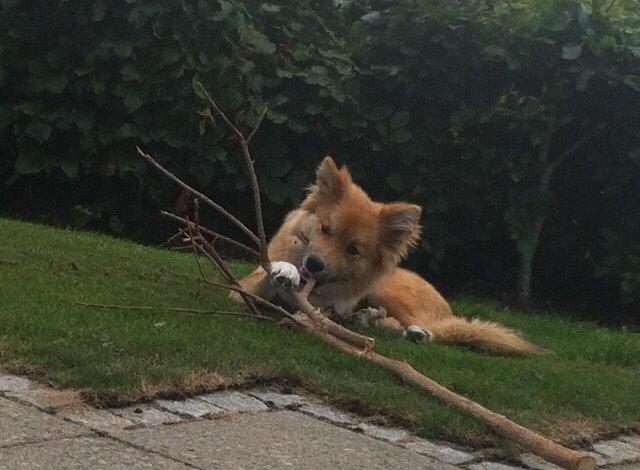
(514, 124)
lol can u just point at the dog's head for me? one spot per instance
(357, 240)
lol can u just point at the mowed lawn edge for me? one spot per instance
(586, 390)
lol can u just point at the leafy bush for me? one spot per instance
(501, 118)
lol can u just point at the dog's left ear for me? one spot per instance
(400, 223)
(331, 184)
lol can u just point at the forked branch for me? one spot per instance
(315, 323)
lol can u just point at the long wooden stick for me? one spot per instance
(348, 341)
(534, 442)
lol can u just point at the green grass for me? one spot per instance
(590, 387)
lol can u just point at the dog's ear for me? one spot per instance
(330, 186)
(400, 227)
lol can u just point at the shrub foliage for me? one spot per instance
(515, 124)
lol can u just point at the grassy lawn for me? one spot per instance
(589, 388)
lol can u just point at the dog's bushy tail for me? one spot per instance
(483, 335)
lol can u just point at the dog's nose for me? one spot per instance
(314, 264)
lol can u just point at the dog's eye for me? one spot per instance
(326, 229)
(352, 249)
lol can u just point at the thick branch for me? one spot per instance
(200, 196)
(526, 438)
(325, 324)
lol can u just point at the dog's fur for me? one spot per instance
(361, 242)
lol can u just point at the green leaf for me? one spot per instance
(260, 42)
(39, 130)
(123, 49)
(398, 182)
(400, 136)
(28, 163)
(634, 154)
(270, 8)
(379, 112)
(5, 116)
(99, 10)
(282, 73)
(297, 126)
(633, 81)
(399, 120)
(571, 52)
(198, 87)
(495, 50)
(276, 116)
(133, 101)
(70, 168)
(314, 109)
(230, 99)
(607, 42)
(278, 168)
(56, 84)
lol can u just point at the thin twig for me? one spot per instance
(211, 253)
(8, 262)
(223, 115)
(251, 175)
(176, 309)
(168, 241)
(258, 123)
(215, 235)
(200, 196)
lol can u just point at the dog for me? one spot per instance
(352, 247)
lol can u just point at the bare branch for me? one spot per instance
(215, 235)
(200, 196)
(325, 324)
(213, 256)
(176, 309)
(168, 241)
(258, 123)
(223, 115)
(251, 175)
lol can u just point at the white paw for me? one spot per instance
(417, 335)
(285, 274)
(368, 316)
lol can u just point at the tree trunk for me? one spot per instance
(526, 262)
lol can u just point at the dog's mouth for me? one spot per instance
(321, 280)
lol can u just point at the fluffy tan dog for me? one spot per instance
(352, 246)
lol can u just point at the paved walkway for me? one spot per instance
(41, 427)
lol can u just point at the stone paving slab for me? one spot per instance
(493, 466)
(537, 463)
(278, 400)
(443, 453)
(191, 407)
(101, 420)
(235, 402)
(20, 424)
(146, 415)
(616, 451)
(47, 399)
(388, 434)
(282, 439)
(327, 413)
(82, 453)
(12, 383)
(634, 440)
